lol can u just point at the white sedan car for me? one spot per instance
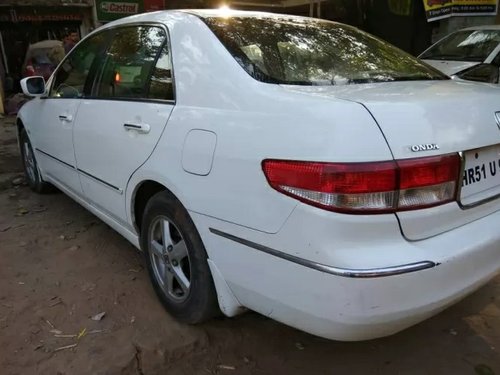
(472, 54)
(296, 167)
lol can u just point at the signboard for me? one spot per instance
(40, 15)
(110, 10)
(438, 9)
(154, 5)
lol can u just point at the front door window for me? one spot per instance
(72, 78)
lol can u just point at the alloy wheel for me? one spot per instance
(170, 259)
(29, 162)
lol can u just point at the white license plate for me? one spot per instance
(481, 178)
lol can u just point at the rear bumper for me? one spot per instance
(336, 271)
(352, 308)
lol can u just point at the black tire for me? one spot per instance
(200, 302)
(30, 166)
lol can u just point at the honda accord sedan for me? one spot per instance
(299, 168)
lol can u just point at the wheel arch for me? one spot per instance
(19, 126)
(142, 193)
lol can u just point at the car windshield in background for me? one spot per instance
(312, 52)
(466, 45)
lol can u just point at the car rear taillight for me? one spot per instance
(374, 187)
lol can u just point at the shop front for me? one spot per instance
(28, 23)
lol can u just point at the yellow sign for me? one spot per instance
(438, 9)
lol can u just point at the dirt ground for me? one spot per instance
(60, 266)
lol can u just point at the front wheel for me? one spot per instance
(30, 166)
(177, 261)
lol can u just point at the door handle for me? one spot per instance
(67, 118)
(139, 128)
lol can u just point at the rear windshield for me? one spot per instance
(466, 45)
(301, 51)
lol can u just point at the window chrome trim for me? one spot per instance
(336, 271)
(136, 100)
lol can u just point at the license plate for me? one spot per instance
(481, 177)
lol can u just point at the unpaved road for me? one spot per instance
(59, 266)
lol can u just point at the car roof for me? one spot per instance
(227, 12)
(186, 14)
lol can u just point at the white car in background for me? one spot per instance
(296, 167)
(472, 54)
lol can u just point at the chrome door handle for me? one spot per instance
(139, 128)
(67, 118)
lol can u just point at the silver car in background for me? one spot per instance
(472, 54)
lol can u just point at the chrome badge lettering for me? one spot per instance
(425, 147)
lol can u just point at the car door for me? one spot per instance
(57, 112)
(119, 125)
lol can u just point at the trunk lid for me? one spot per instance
(426, 118)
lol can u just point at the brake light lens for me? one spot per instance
(374, 187)
(428, 182)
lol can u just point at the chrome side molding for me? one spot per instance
(337, 271)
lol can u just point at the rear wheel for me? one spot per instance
(30, 166)
(177, 260)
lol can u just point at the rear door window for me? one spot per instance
(131, 62)
(161, 83)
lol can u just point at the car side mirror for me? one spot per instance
(488, 73)
(33, 86)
